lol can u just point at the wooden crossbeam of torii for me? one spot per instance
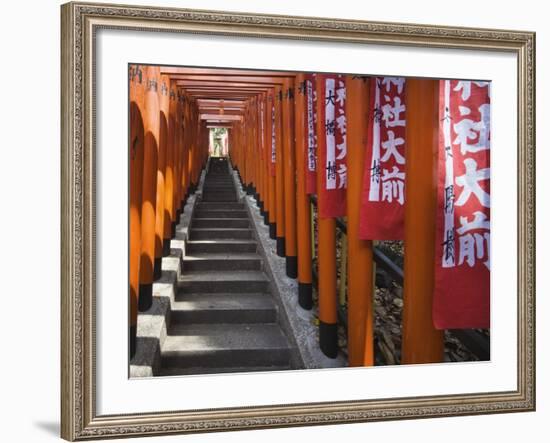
(201, 83)
(221, 117)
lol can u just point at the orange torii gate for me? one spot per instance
(176, 107)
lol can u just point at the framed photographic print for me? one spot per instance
(280, 221)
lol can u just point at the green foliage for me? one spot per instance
(218, 134)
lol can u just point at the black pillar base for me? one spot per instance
(328, 339)
(133, 333)
(305, 295)
(272, 231)
(166, 247)
(178, 215)
(145, 299)
(157, 270)
(183, 204)
(173, 229)
(291, 266)
(266, 218)
(261, 206)
(281, 246)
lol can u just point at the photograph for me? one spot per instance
(306, 220)
(274, 220)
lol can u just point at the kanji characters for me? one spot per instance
(470, 183)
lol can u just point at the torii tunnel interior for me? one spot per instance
(259, 199)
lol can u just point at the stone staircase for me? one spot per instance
(224, 318)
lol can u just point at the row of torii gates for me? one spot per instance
(172, 110)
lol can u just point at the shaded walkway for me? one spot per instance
(224, 318)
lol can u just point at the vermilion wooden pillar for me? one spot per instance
(191, 146)
(151, 123)
(422, 343)
(261, 156)
(184, 182)
(326, 251)
(303, 225)
(193, 166)
(271, 178)
(252, 153)
(289, 158)
(164, 105)
(266, 142)
(279, 174)
(169, 212)
(256, 156)
(256, 190)
(360, 266)
(136, 176)
(178, 156)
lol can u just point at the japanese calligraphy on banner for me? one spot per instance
(273, 145)
(383, 197)
(332, 148)
(461, 293)
(311, 136)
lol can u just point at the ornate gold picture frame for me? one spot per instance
(80, 23)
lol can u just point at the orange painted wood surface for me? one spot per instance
(149, 192)
(303, 223)
(135, 151)
(360, 265)
(422, 343)
(279, 167)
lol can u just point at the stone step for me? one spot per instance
(219, 233)
(219, 182)
(222, 281)
(215, 197)
(223, 308)
(220, 205)
(221, 223)
(208, 187)
(220, 213)
(214, 246)
(225, 346)
(228, 195)
(222, 262)
(170, 372)
(218, 189)
(219, 196)
(226, 192)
